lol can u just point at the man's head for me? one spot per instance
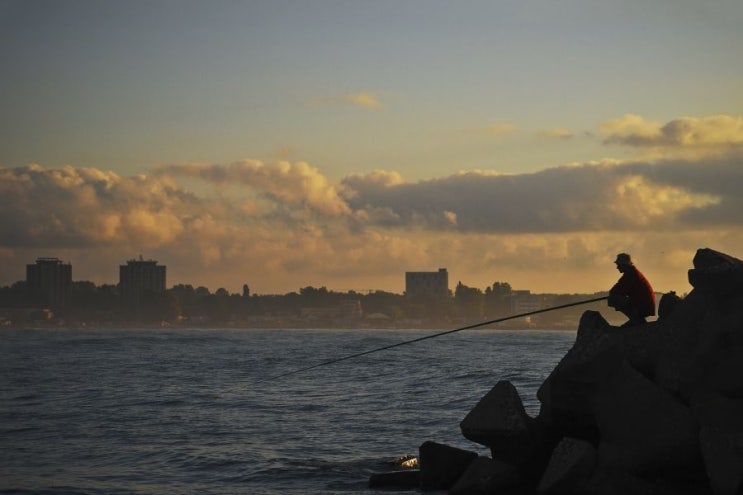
(623, 261)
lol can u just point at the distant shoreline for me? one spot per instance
(144, 326)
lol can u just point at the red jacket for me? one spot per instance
(634, 285)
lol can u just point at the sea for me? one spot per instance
(196, 411)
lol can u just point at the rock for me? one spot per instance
(567, 393)
(486, 476)
(499, 421)
(613, 482)
(696, 484)
(715, 363)
(716, 272)
(569, 469)
(410, 478)
(441, 465)
(681, 334)
(667, 304)
(721, 439)
(643, 429)
(704, 346)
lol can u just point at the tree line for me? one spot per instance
(88, 302)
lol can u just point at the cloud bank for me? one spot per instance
(282, 225)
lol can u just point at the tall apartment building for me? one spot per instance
(138, 278)
(430, 284)
(49, 281)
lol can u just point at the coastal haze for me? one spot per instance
(286, 144)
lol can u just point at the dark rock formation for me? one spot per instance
(721, 440)
(441, 465)
(643, 428)
(485, 476)
(410, 478)
(500, 422)
(651, 409)
(570, 468)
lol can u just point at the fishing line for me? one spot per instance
(426, 337)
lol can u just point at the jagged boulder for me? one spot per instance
(399, 480)
(499, 421)
(442, 465)
(704, 335)
(644, 429)
(568, 392)
(570, 468)
(721, 440)
(485, 476)
(716, 272)
(610, 482)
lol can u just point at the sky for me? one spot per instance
(291, 143)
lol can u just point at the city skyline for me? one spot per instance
(430, 283)
(340, 144)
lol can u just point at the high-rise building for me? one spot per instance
(429, 284)
(49, 281)
(138, 278)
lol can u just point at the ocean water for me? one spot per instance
(179, 411)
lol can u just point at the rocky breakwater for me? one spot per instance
(650, 409)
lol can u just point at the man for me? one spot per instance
(632, 294)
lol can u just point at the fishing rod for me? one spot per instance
(426, 337)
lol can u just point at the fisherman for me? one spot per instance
(632, 294)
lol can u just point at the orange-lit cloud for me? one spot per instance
(280, 226)
(595, 197)
(298, 185)
(685, 136)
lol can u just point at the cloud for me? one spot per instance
(89, 207)
(297, 185)
(694, 136)
(371, 101)
(589, 197)
(84, 207)
(556, 133)
(279, 226)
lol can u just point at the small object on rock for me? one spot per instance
(406, 461)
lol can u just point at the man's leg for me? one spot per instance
(622, 304)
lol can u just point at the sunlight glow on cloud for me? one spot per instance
(693, 136)
(297, 184)
(640, 202)
(287, 223)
